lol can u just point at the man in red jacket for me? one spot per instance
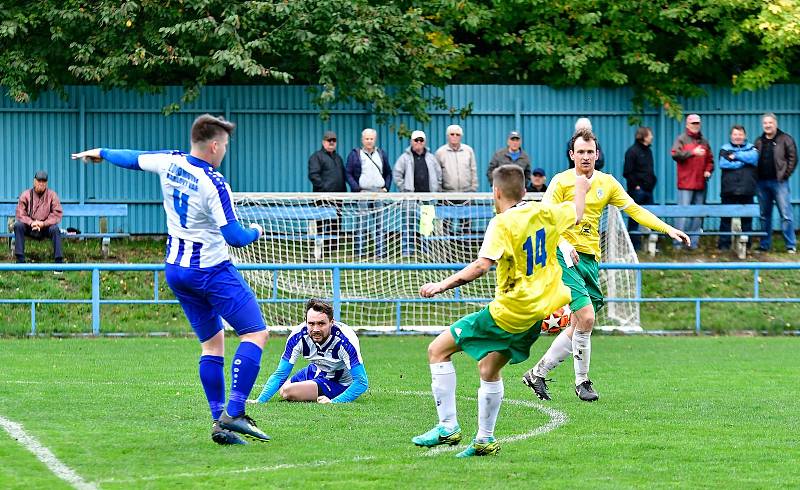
(38, 215)
(692, 153)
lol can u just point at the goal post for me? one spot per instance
(382, 228)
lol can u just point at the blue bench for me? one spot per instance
(292, 222)
(477, 215)
(100, 211)
(734, 211)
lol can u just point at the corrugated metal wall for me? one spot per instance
(278, 129)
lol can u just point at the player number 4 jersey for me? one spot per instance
(197, 202)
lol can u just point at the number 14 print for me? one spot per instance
(538, 255)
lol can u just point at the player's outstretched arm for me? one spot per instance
(356, 389)
(677, 234)
(465, 276)
(275, 381)
(121, 158)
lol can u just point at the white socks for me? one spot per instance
(443, 385)
(490, 395)
(582, 351)
(559, 350)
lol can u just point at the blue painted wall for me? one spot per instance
(278, 129)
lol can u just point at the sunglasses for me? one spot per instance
(514, 138)
(331, 140)
(455, 134)
(419, 140)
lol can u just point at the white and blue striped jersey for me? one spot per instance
(336, 356)
(198, 202)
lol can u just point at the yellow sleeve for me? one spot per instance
(492, 247)
(646, 218)
(565, 216)
(554, 193)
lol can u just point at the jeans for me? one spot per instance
(776, 191)
(21, 230)
(641, 197)
(725, 223)
(685, 198)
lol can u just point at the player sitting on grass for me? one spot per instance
(521, 240)
(200, 221)
(335, 373)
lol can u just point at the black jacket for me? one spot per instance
(638, 170)
(326, 172)
(784, 153)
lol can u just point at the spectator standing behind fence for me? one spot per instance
(416, 170)
(368, 167)
(459, 168)
(585, 123)
(640, 175)
(512, 153)
(776, 162)
(738, 162)
(326, 168)
(537, 182)
(38, 214)
(692, 154)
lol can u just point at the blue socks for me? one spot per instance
(212, 376)
(244, 371)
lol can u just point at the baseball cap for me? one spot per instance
(329, 135)
(40, 175)
(454, 128)
(514, 134)
(418, 134)
(539, 171)
(693, 118)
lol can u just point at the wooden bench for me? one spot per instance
(733, 211)
(100, 211)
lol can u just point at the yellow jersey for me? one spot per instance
(604, 190)
(523, 241)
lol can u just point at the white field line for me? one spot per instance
(557, 419)
(246, 469)
(44, 455)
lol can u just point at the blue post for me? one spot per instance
(33, 318)
(275, 284)
(397, 318)
(337, 292)
(639, 285)
(697, 317)
(755, 283)
(95, 301)
(155, 286)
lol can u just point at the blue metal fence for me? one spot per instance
(278, 128)
(96, 301)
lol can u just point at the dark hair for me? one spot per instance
(510, 180)
(320, 306)
(739, 127)
(584, 134)
(208, 127)
(642, 132)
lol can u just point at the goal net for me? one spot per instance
(414, 235)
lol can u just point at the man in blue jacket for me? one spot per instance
(738, 160)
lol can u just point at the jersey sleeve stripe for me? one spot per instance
(224, 196)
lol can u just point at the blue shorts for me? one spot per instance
(214, 292)
(326, 387)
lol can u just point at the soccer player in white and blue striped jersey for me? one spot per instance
(335, 371)
(200, 222)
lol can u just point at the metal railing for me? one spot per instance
(96, 301)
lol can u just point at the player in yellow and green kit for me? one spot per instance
(521, 240)
(578, 255)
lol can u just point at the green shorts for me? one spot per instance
(583, 280)
(477, 334)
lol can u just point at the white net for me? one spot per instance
(616, 248)
(317, 230)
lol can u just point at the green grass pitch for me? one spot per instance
(674, 412)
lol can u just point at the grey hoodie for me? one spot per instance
(404, 171)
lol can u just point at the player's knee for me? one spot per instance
(488, 373)
(435, 354)
(585, 319)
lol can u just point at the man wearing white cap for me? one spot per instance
(459, 168)
(692, 154)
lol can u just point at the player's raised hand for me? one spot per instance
(677, 234)
(430, 289)
(582, 184)
(92, 155)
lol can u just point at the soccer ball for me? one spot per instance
(557, 321)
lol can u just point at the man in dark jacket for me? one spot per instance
(512, 153)
(738, 161)
(776, 161)
(692, 153)
(640, 175)
(326, 173)
(326, 168)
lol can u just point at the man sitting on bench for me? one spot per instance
(38, 214)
